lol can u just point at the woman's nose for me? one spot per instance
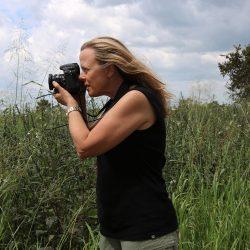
(82, 77)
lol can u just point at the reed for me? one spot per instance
(47, 195)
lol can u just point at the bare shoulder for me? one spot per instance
(136, 102)
(135, 97)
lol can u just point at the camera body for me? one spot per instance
(69, 80)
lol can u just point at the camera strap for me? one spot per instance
(106, 105)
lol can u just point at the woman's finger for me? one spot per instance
(56, 85)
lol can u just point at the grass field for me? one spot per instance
(47, 194)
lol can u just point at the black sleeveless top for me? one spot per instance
(132, 200)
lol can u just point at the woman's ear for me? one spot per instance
(111, 70)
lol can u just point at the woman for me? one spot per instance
(134, 209)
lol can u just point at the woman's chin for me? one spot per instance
(91, 94)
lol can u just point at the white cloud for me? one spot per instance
(212, 57)
(5, 30)
(181, 40)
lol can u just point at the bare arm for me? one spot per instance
(131, 112)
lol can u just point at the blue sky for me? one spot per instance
(181, 40)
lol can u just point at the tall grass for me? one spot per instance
(208, 161)
(47, 195)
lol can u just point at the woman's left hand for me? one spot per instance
(63, 96)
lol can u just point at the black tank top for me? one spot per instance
(132, 200)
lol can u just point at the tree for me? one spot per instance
(237, 68)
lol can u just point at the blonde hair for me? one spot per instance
(111, 50)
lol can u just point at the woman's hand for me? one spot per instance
(63, 96)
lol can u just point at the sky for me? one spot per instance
(181, 40)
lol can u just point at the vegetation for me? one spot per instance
(237, 68)
(47, 194)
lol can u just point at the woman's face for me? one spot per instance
(94, 75)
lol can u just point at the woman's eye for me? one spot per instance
(85, 70)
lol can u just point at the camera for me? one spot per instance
(69, 80)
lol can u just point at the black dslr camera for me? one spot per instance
(69, 80)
